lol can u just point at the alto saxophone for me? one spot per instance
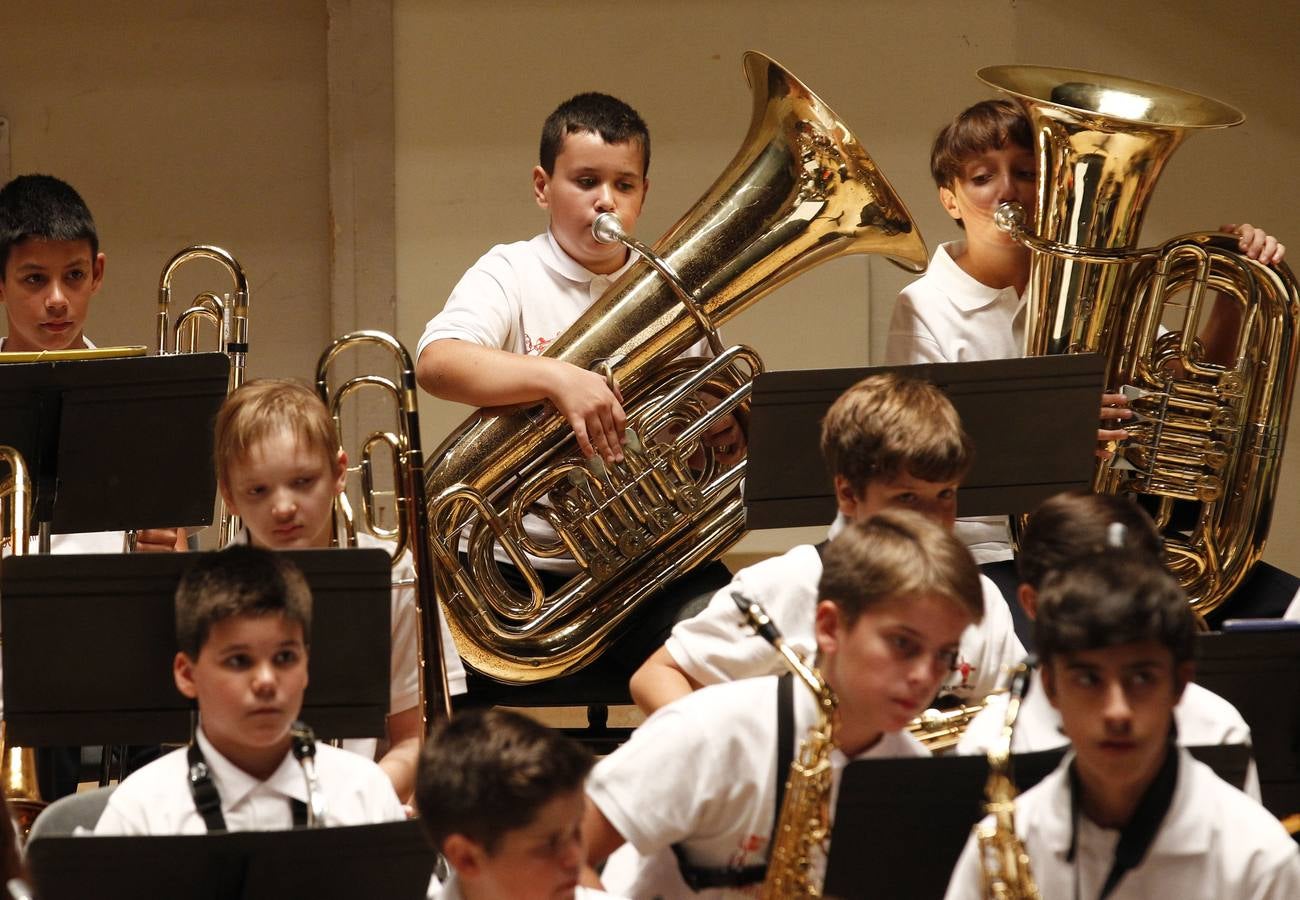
(803, 828)
(1003, 858)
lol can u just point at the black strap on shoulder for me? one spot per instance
(206, 799)
(1136, 838)
(208, 802)
(820, 547)
(701, 878)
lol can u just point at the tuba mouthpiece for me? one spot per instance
(608, 228)
(1009, 217)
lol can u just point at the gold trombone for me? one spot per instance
(227, 313)
(22, 793)
(403, 451)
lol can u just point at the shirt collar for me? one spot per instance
(234, 785)
(566, 266)
(967, 294)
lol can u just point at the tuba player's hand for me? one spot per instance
(1114, 409)
(161, 540)
(1256, 243)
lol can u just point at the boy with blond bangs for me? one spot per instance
(1064, 528)
(280, 468)
(970, 304)
(485, 347)
(1128, 814)
(890, 441)
(243, 626)
(695, 789)
(500, 797)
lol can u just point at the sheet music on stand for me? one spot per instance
(1033, 422)
(94, 665)
(116, 444)
(391, 860)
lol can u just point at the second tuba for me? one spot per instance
(801, 190)
(1205, 448)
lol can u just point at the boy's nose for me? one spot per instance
(264, 680)
(604, 198)
(56, 302)
(1116, 710)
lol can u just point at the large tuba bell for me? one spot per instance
(799, 191)
(1206, 444)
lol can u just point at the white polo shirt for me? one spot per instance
(451, 890)
(1215, 843)
(948, 316)
(701, 773)
(717, 645)
(1204, 719)
(156, 800)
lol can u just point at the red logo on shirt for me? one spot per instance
(531, 346)
(965, 668)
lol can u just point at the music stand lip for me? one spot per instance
(90, 641)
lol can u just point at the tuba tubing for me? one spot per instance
(800, 190)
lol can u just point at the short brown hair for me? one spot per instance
(1072, 524)
(266, 406)
(888, 424)
(988, 125)
(238, 581)
(899, 553)
(486, 772)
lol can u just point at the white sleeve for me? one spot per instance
(1281, 883)
(910, 340)
(984, 729)
(121, 818)
(482, 308)
(966, 882)
(404, 665)
(717, 645)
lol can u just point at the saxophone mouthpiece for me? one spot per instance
(758, 618)
(608, 228)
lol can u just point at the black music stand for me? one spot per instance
(1033, 422)
(1259, 673)
(389, 860)
(115, 444)
(94, 662)
(900, 824)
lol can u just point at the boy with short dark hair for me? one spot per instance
(280, 467)
(500, 796)
(890, 441)
(485, 347)
(1064, 528)
(243, 623)
(1128, 814)
(694, 790)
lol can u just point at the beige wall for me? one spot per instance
(185, 123)
(474, 82)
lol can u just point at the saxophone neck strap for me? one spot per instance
(1137, 836)
(701, 878)
(208, 801)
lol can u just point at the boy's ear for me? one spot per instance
(541, 185)
(340, 471)
(96, 273)
(183, 672)
(226, 495)
(845, 498)
(1028, 598)
(948, 200)
(1184, 674)
(464, 855)
(826, 626)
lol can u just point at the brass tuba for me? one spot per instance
(405, 459)
(22, 792)
(227, 313)
(799, 191)
(1208, 433)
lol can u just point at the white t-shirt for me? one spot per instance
(701, 773)
(520, 297)
(717, 645)
(948, 316)
(451, 890)
(1204, 719)
(1215, 843)
(156, 800)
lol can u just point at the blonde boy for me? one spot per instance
(243, 625)
(280, 467)
(697, 783)
(890, 442)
